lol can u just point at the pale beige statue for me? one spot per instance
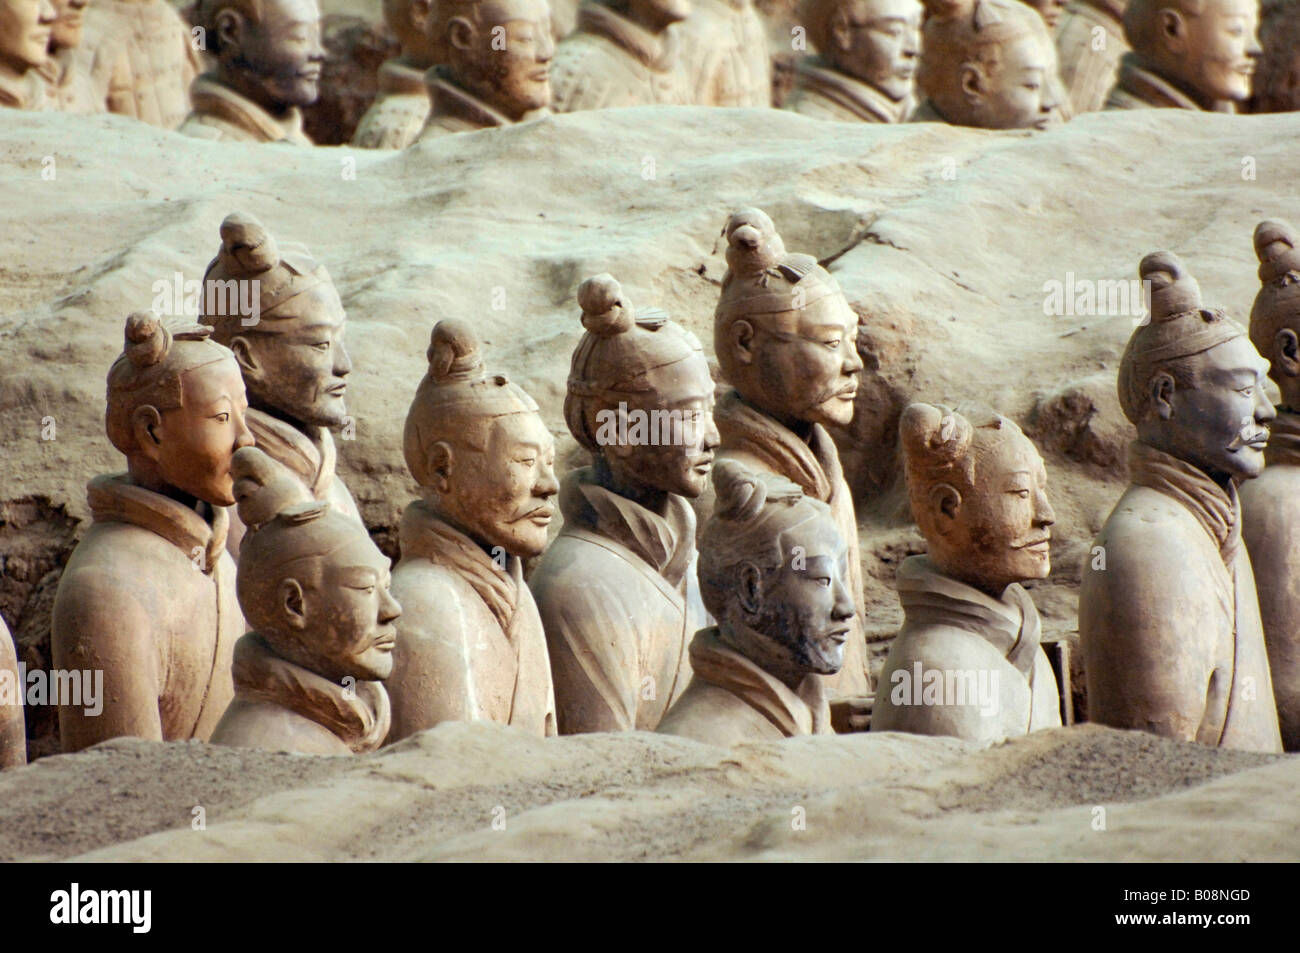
(621, 54)
(1276, 87)
(68, 85)
(1049, 10)
(1187, 54)
(25, 29)
(1089, 44)
(268, 66)
(989, 64)
(725, 55)
(496, 68)
(470, 645)
(774, 573)
(142, 57)
(277, 309)
(13, 733)
(148, 596)
(401, 107)
(1168, 617)
(309, 675)
(1270, 504)
(865, 70)
(786, 341)
(968, 660)
(617, 590)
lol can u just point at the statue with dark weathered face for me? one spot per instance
(866, 67)
(1270, 505)
(617, 589)
(314, 589)
(269, 57)
(470, 646)
(1168, 615)
(978, 490)
(1276, 87)
(1188, 54)
(774, 573)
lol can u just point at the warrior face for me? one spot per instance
(503, 54)
(25, 27)
(878, 42)
(276, 61)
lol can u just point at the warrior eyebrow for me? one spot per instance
(359, 577)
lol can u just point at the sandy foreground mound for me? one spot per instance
(486, 792)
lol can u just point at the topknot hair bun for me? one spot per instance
(454, 353)
(605, 310)
(934, 433)
(1275, 246)
(1173, 290)
(740, 493)
(147, 339)
(248, 246)
(263, 488)
(753, 245)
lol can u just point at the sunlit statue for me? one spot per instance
(401, 106)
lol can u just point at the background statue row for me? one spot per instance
(473, 64)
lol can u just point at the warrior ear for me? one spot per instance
(290, 603)
(946, 500)
(1172, 28)
(1286, 352)
(442, 461)
(749, 588)
(839, 32)
(146, 423)
(1162, 393)
(460, 34)
(972, 81)
(742, 339)
(229, 27)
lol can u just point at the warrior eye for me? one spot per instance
(322, 345)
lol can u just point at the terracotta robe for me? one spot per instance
(731, 700)
(13, 730)
(312, 459)
(470, 645)
(280, 706)
(67, 88)
(1270, 527)
(23, 90)
(400, 109)
(966, 636)
(761, 443)
(826, 93)
(1088, 73)
(1137, 87)
(1170, 628)
(611, 61)
(452, 109)
(724, 55)
(148, 597)
(141, 58)
(223, 115)
(619, 600)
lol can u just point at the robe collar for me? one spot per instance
(1010, 624)
(115, 499)
(814, 465)
(654, 51)
(1283, 439)
(862, 99)
(448, 99)
(359, 717)
(1216, 509)
(210, 97)
(396, 78)
(804, 712)
(1138, 80)
(310, 456)
(424, 533)
(666, 544)
(24, 90)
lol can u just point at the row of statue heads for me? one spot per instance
(624, 623)
(247, 68)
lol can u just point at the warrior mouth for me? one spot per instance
(336, 390)
(848, 393)
(1038, 545)
(541, 75)
(541, 516)
(703, 464)
(1256, 441)
(839, 636)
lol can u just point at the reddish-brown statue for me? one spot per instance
(401, 107)
(1089, 44)
(617, 589)
(1270, 504)
(1168, 616)
(25, 29)
(309, 676)
(621, 54)
(470, 645)
(1276, 87)
(68, 85)
(148, 597)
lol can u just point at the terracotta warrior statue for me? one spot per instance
(13, 731)
(268, 55)
(1049, 10)
(621, 54)
(496, 64)
(25, 28)
(1168, 617)
(68, 85)
(989, 64)
(1277, 81)
(276, 308)
(773, 572)
(617, 590)
(397, 115)
(967, 661)
(1089, 44)
(470, 646)
(148, 597)
(867, 63)
(1270, 504)
(1187, 54)
(141, 57)
(786, 340)
(314, 588)
(725, 55)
